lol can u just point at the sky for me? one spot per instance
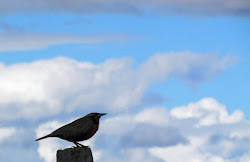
(173, 77)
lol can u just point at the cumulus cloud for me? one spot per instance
(201, 149)
(208, 111)
(18, 41)
(127, 137)
(188, 153)
(225, 142)
(65, 85)
(180, 7)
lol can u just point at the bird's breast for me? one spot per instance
(93, 131)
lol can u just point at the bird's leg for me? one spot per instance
(77, 144)
(80, 144)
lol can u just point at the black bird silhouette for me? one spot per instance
(78, 130)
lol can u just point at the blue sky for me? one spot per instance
(188, 61)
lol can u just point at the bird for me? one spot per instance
(78, 130)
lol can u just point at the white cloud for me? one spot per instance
(64, 85)
(6, 133)
(179, 7)
(156, 116)
(208, 111)
(127, 137)
(16, 41)
(188, 153)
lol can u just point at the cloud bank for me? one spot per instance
(66, 85)
(179, 7)
(32, 93)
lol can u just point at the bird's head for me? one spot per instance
(95, 116)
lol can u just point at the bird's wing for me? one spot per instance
(79, 127)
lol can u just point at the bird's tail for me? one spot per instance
(49, 135)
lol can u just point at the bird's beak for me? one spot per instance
(101, 114)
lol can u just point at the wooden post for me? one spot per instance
(76, 154)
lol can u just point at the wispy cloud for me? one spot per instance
(179, 7)
(18, 41)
